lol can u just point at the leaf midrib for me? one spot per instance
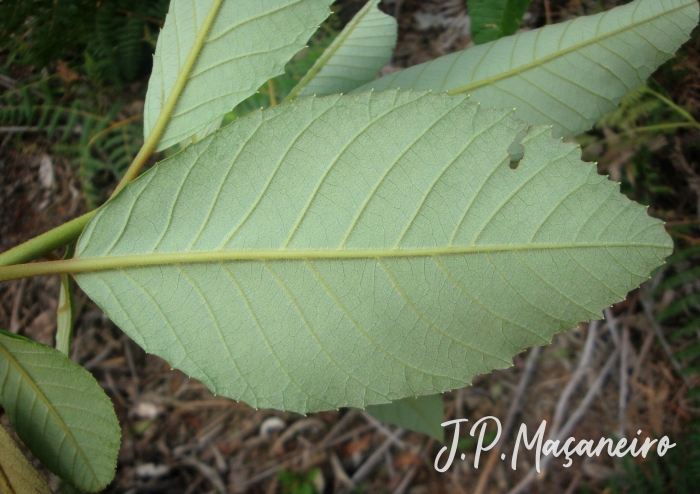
(107, 263)
(183, 76)
(559, 53)
(18, 367)
(335, 46)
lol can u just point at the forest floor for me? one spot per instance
(626, 373)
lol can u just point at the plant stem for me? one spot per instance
(672, 105)
(666, 126)
(183, 76)
(62, 235)
(46, 242)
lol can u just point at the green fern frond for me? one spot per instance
(635, 107)
(111, 39)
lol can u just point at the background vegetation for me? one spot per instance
(73, 75)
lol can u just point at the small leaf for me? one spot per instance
(59, 411)
(568, 74)
(355, 57)
(212, 54)
(422, 414)
(493, 19)
(17, 475)
(356, 250)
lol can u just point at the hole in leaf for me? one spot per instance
(516, 150)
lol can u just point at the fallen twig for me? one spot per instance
(293, 430)
(510, 418)
(612, 325)
(570, 424)
(375, 457)
(649, 311)
(408, 478)
(579, 373)
(624, 385)
(339, 426)
(381, 428)
(340, 473)
(14, 318)
(208, 472)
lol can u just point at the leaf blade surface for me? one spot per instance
(17, 475)
(212, 54)
(355, 57)
(59, 411)
(355, 250)
(568, 74)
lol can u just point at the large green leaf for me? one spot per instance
(423, 414)
(353, 250)
(355, 57)
(567, 75)
(17, 475)
(212, 54)
(59, 411)
(493, 19)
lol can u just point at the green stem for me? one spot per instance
(672, 105)
(68, 232)
(46, 242)
(164, 116)
(666, 126)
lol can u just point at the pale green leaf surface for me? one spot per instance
(64, 316)
(17, 475)
(247, 44)
(59, 411)
(354, 250)
(493, 19)
(355, 57)
(423, 414)
(568, 74)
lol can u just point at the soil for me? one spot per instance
(178, 437)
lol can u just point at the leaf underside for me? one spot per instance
(356, 56)
(568, 74)
(423, 414)
(44, 395)
(17, 475)
(248, 43)
(353, 250)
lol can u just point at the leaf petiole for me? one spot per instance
(46, 242)
(70, 231)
